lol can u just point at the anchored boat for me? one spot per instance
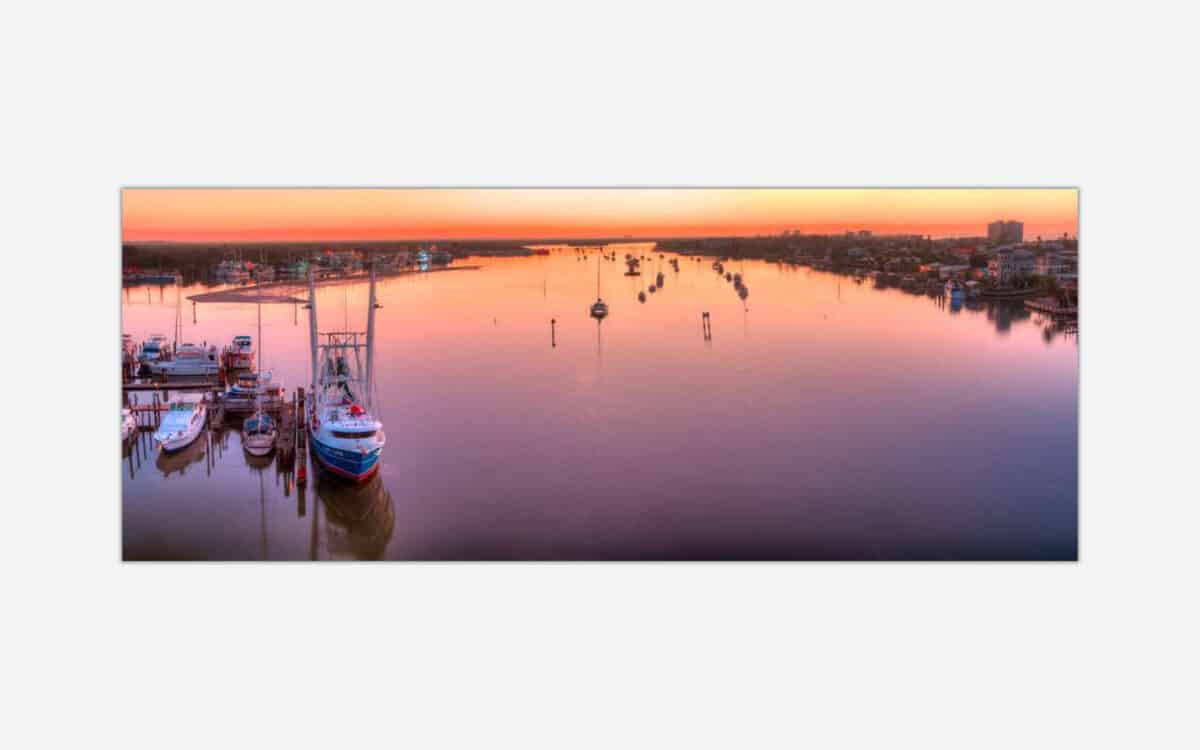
(600, 307)
(346, 438)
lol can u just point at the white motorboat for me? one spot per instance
(346, 438)
(190, 361)
(182, 422)
(128, 424)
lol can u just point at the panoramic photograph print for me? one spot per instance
(599, 374)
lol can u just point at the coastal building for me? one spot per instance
(1055, 266)
(1006, 231)
(1009, 264)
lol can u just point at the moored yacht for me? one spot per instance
(190, 360)
(250, 390)
(153, 350)
(181, 423)
(955, 290)
(240, 354)
(231, 271)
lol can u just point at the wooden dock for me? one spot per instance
(179, 384)
(1050, 306)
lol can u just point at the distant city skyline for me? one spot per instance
(330, 215)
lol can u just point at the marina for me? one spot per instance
(787, 428)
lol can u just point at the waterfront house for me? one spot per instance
(1010, 263)
(1054, 265)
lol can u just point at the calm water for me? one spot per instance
(823, 420)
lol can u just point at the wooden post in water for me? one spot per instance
(301, 444)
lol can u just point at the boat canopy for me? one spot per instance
(261, 423)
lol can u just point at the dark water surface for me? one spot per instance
(823, 420)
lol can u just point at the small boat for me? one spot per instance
(600, 308)
(259, 433)
(128, 424)
(973, 289)
(641, 296)
(153, 349)
(729, 277)
(955, 290)
(240, 354)
(232, 271)
(181, 423)
(190, 360)
(242, 395)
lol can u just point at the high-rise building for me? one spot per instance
(1005, 232)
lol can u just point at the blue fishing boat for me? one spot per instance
(346, 438)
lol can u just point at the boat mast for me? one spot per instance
(312, 327)
(261, 362)
(370, 336)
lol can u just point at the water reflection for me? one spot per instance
(359, 520)
(180, 462)
(858, 422)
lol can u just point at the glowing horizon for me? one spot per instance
(357, 215)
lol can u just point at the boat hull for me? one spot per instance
(171, 445)
(355, 466)
(258, 445)
(175, 369)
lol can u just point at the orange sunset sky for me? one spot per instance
(265, 215)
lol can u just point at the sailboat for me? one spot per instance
(346, 438)
(259, 431)
(600, 309)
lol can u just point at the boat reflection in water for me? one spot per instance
(258, 464)
(359, 519)
(178, 462)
